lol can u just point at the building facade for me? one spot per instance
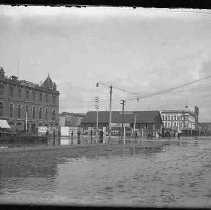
(26, 105)
(184, 120)
(70, 119)
(144, 122)
(205, 129)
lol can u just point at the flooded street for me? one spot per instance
(179, 175)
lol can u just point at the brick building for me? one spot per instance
(22, 101)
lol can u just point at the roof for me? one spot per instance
(205, 124)
(72, 114)
(182, 111)
(4, 124)
(103, 117)
(48, 83)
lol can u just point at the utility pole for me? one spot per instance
(123, 109)
(97, 107)
(134, 126)
(110, 112)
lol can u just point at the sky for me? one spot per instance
(142, 50)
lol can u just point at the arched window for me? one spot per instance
(54, 99)
(1, 89)
(11, 91)
(19, 92)
(1, 109)
(40, 113)
(46, 114)
(53, 115)
(33, 112)
(11, 110)
(19, 111)
(46, 98)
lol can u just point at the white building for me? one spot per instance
(185, 119)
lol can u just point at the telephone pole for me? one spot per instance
(123, 109)
(110, 112)
(97, 108)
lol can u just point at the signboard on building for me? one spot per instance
(65, 131)
(118, 125)
(42, 130)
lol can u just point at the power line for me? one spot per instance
(170, 89)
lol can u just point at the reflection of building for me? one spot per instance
(70, 119)
(144, 120)
(185, 120)
(205, 129)
(22, 101)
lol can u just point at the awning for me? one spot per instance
(4, 124)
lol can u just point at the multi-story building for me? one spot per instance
(26, 105)
(185, 120)
(70, 119)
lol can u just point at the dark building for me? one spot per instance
(22, 101)
(205, 129)
(146, 121)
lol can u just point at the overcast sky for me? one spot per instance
(141, 50)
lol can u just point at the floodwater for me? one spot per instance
(179, 175)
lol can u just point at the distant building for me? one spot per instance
(22, 101)
(185, 120)
(147, 121)
(205, 129)
(70, 119)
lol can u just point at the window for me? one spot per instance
(40, 97)
(46, 97)
(46, 114)
(11, 91)
(11, 110)
(33, 112)
(27, 94)
(27, 110)
(1, 90)
(53, 115)
(40, 113)
(1, 109)
(33, 95)
(78, 121)
(19, 93)
(54, 99)
(19, 111)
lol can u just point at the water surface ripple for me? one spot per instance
(179, 175)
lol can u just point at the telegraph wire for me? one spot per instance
(170, 89)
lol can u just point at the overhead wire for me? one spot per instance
(170, 89)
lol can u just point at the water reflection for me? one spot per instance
(175, 176)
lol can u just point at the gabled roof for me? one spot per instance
(48, 84)
(103, 117)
